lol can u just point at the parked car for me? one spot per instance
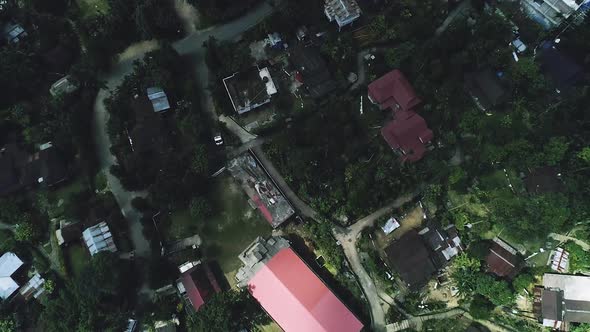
(218, 139)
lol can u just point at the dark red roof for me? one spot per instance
(200, 284)
(409, 133)
(501, 262)
(393, 89)
(297, 299)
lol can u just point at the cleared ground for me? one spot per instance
(92, 8)
(231, 228)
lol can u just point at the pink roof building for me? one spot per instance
(408, 135)
(297, 299)
(393, 90)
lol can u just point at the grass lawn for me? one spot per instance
(64, 193)
(231, 228)
(76, 258)
(91, 8)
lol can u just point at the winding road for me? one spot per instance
(191, 45)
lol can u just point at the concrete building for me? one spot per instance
(551, 13)
(565, 299)
(344, 12)
(261, 189)
(159, 99)
(250, 89)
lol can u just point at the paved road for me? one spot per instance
(299, 205)
(565, 238)
(348, 237)
(191, 45)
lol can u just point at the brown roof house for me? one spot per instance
(393, 90)
(503, 260)
(416, 256)
(197, 284)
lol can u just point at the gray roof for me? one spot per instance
(159, 99)
(485, 88)
(9, 264)
(551, 306)
(13, 31)
(99, 238)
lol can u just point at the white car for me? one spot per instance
(218, 140)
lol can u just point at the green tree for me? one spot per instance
(584, 327)
(584, 154)
(7, 325)
(523, 281)
(200, 163)
(231, 310)
(200, 208)
(480, 308)
(395, 57)
(555, 150)
(25, 232)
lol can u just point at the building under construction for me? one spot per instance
(261, 189)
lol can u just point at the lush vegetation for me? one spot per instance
(176, 164)
(230, 311)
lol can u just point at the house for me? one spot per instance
(159, 99)
(290, 292)
(565, 299)
(197, 284)
(486, 89)
(68, 232)
(21, 170)
(503, 260)
(166, 326)
(63, 86)
(99, 238)
(264, 194)
(544, 180)
(551, 13)
(559, 260)
(34, 288)
(344, 12)
(393, 90)
(10, 263)
(312, 71)
(416, 256)
(14, 33)
(409, 257)
(563, 71)
(250, 89)
(408, 135)
(444, 243)
(390, 225)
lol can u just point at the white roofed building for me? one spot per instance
(159, 99)
(551, 13)
(34, 287)
(344, 12)
(9, 264)
(99, 238)
(565, 299)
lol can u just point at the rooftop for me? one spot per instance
(250, 89)
(393, 90)
(256, 255)
(561, 69)
(502, 259)
(313, 70)
(198, 284)
(565, 298)
(261, 189)
(408, 134)
(485, 88)
(99, 238)
(343, 12)
(297, 299)
(159, 99)
(410, 258)
(9, 264)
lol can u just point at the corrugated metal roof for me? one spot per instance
(297, 299)
(9, 264)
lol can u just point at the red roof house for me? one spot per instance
(502, 260)
(408, 135)
(198, 285)
(297, 299)
(393, 90)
